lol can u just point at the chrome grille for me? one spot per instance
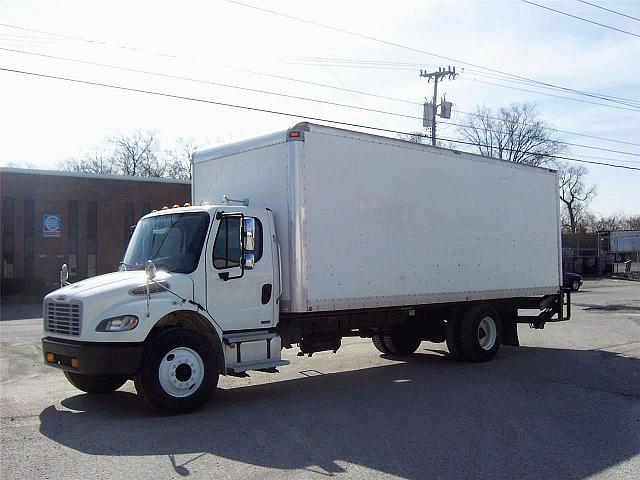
(63, 318)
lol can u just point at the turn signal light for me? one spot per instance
(75, 363)
(294, 134)
(50, 357)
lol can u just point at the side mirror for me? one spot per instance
(249, 234)
(249, 261)
(64, 275)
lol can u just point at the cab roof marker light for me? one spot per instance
(176, 206)
(187, 204)
(165, 208)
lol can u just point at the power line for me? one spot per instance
(284, 95)
(273, 12)
(406, 66)
(556, 96)
(282, 77)
(268, 92)
(275, 112)
(209, 82)
(635, 107)
(393, 44)
(612, 11)
(581, 18)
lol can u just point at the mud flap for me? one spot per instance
(509, 317)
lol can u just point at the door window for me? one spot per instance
(226, 249)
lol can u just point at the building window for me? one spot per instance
(29, 218)
(92, 238)
(8, 237)
(72, 238)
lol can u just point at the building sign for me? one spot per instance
(51, 225)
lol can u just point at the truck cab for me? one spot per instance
(196, 295)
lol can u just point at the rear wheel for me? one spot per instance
(480, 333)
(178, 371)
(378, 342)
(401, 340)
(95, 384)
(575, 285)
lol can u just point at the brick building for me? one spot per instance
(50, 218)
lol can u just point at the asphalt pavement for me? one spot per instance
(566, 404)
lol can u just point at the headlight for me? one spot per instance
(118, 324)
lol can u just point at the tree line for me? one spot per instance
(137, 153)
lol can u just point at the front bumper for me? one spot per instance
(92, 358)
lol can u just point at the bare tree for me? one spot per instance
(615, 221)
(137, 154)
(179, 158)
(633, 222)
(97, 162)
(424, 139)
(514, 133)
(415, 137)
(28, 165)
(575, 195)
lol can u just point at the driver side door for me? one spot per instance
(240, 302)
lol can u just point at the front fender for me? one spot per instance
(160, 306)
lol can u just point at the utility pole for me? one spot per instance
(441, 74)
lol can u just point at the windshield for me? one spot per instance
(172, 241)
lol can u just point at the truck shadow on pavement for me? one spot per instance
(533, 412)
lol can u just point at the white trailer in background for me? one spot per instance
(304, 237)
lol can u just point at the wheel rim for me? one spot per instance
(487, 333)
(181, 372)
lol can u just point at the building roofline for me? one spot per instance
(59, 173)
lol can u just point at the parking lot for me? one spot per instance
(566, 404)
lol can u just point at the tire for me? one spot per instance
(575, 285)
(178, 372)
(378, 342)
(401, 340)
(95, 384)
(452, 336)
(480, 333)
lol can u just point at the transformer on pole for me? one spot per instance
(430, 108)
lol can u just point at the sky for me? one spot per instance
(45, 121)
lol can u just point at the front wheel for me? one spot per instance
(95, 384)
(575, 285)
(178, 371)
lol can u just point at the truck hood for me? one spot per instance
(120, 283)
(111, 295)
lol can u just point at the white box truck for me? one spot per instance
(302, 238)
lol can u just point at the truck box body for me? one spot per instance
(365, 221)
